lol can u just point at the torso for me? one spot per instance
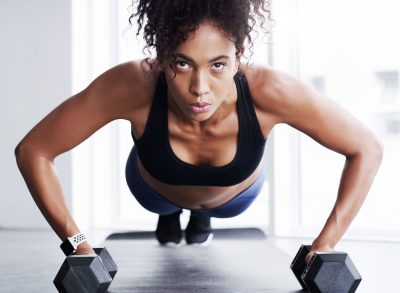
(218, 148)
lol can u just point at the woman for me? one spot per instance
(200, 120)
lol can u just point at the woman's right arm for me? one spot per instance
(115, 94)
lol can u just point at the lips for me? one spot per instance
(200, 104)
(203, 108)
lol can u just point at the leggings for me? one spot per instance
(156, 203)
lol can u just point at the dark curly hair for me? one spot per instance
(167, 23)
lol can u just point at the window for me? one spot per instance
(318, 82)
(388, 82)
(345, 55)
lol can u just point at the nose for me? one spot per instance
(199, 84)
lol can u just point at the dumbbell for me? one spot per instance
(326, 271)
(86, 273)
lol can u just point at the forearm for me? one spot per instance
(44, 185)
(358, 174)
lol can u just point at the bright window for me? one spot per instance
(348, 52)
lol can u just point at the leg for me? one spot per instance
(198, 230)
(169, 230)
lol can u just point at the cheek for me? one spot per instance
(222, 87)
(177, 87)
(178, 91)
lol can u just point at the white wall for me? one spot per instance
(35, 76)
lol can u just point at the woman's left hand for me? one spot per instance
(318, 248)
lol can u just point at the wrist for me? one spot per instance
(70, 229)
(71, 244)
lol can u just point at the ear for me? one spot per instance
(166, 64)
(161, 66)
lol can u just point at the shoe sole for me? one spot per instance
(172, 244)
(205, 243)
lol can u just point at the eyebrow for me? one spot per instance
(187, 58)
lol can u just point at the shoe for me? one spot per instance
(198, 230)
(169, 230)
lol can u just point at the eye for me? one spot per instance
(219, 66)
(181, 65)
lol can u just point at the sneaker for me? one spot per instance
(198, 230)
(168, 230)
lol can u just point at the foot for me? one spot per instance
(198, 230)
(168, 230)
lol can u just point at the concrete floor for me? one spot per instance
(30, 260)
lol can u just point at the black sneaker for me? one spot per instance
(168, 230)
(198, 230)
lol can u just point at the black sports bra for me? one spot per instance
(158, 158)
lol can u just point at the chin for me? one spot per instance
(200, 118)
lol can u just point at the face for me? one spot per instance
(202, 74)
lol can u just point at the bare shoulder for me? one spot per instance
(273, 91)
(125, 88)
(291, 101)
(119, 93)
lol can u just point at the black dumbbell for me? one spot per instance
(326, 272)
(86, 273)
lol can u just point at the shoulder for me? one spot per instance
(275, 92)
(125, 87)
(291, 101)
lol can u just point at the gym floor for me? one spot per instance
(233, 262)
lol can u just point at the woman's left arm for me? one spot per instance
(296, 104)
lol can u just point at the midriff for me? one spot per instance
(198, 197)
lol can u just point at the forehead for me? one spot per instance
(207, 42)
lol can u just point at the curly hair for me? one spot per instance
(167, 23)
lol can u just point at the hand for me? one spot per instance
(84, 249)
(318, 248)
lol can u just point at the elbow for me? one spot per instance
(17, 150)
(22, 151)
(18, 154)
(26, 151)
(377, 149)
(374, 150)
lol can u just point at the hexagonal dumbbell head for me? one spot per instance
(331, 272)
(107, 260)
(299, 264)
(82, 274)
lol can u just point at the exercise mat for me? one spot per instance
(237, 260)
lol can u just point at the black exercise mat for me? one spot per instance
(232, 264)
(237, 233)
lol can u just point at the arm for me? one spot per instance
(111, 96)
(294, 103)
